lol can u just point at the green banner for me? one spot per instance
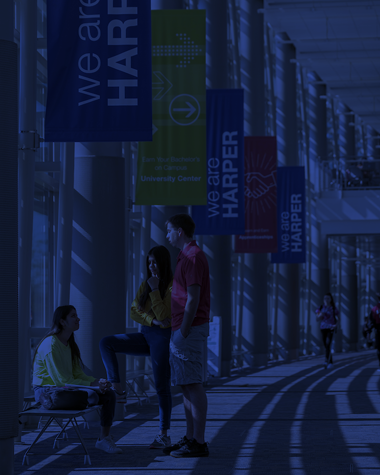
(172, 169)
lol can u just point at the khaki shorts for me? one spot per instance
(187, 355)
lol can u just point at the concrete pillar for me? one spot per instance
(215, 246)
(374, 284)
(346, 134)
(65, 221)
(98, 284)
(146, 245)
(319, 272)
(9, 406)
(255, 308)
(160, 214)
(26, 159)
(349, 294)
(287, 143)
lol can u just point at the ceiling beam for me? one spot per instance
(328, 40)
(318, 5)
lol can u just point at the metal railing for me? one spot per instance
(343, 174)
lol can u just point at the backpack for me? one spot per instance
(54, 398)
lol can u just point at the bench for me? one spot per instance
(53, 415)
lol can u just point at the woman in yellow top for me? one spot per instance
(57, 362)
(151, 308)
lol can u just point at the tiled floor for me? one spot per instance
(291, 418)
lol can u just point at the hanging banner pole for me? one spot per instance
(99, 71)
(172, 168)
(224, 212)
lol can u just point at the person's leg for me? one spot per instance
(324, 337)
(188, 413)
(130, 344)
(107, 401)
(105, 441)
(196, 396)
(158, 340)
(329, 338)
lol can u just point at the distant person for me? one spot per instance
(327, 313)
(374, 319)
(151, 308)
(57, 362)
(190, 324)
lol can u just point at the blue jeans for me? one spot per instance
(154, 342)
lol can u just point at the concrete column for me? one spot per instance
(254, 286)
(319, 285)
(8, 237)
(287, 143)
(216, 246)
(65, 221)
(26, 159)
(160, 214)
(349, 294)
(374, 284)
(98, 284)
(346, 134)
(145, 239)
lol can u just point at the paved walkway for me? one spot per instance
(291, 418)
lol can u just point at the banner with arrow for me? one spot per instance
(172, 169)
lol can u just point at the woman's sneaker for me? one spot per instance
(191, 449)
(108, 445)
(176, 446)
(160, 442)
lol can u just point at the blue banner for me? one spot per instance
(291, 216)
(99, 71)
(224, 212)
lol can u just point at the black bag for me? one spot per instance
(63, 398)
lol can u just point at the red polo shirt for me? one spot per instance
(192, 268)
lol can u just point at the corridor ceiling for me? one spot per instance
(340, 41)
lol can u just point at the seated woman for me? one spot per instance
(151, 308)
(57, 362)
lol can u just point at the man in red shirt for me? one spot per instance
(190, 328)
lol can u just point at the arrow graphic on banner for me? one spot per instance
(154, 130)
(162, 85)
(191, 109)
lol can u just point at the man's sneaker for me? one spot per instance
(329, 365)
(176, 446)
(160, 442)
(191, 449)
(108, 445)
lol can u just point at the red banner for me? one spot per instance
(260, 190)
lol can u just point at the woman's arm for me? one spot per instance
(59, 373)
(162, 308)
(139, 316)
(78, 373)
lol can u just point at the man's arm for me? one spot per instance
(193, 297)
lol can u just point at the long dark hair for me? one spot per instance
(61, 313)
(332, 301)
(162, 256)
